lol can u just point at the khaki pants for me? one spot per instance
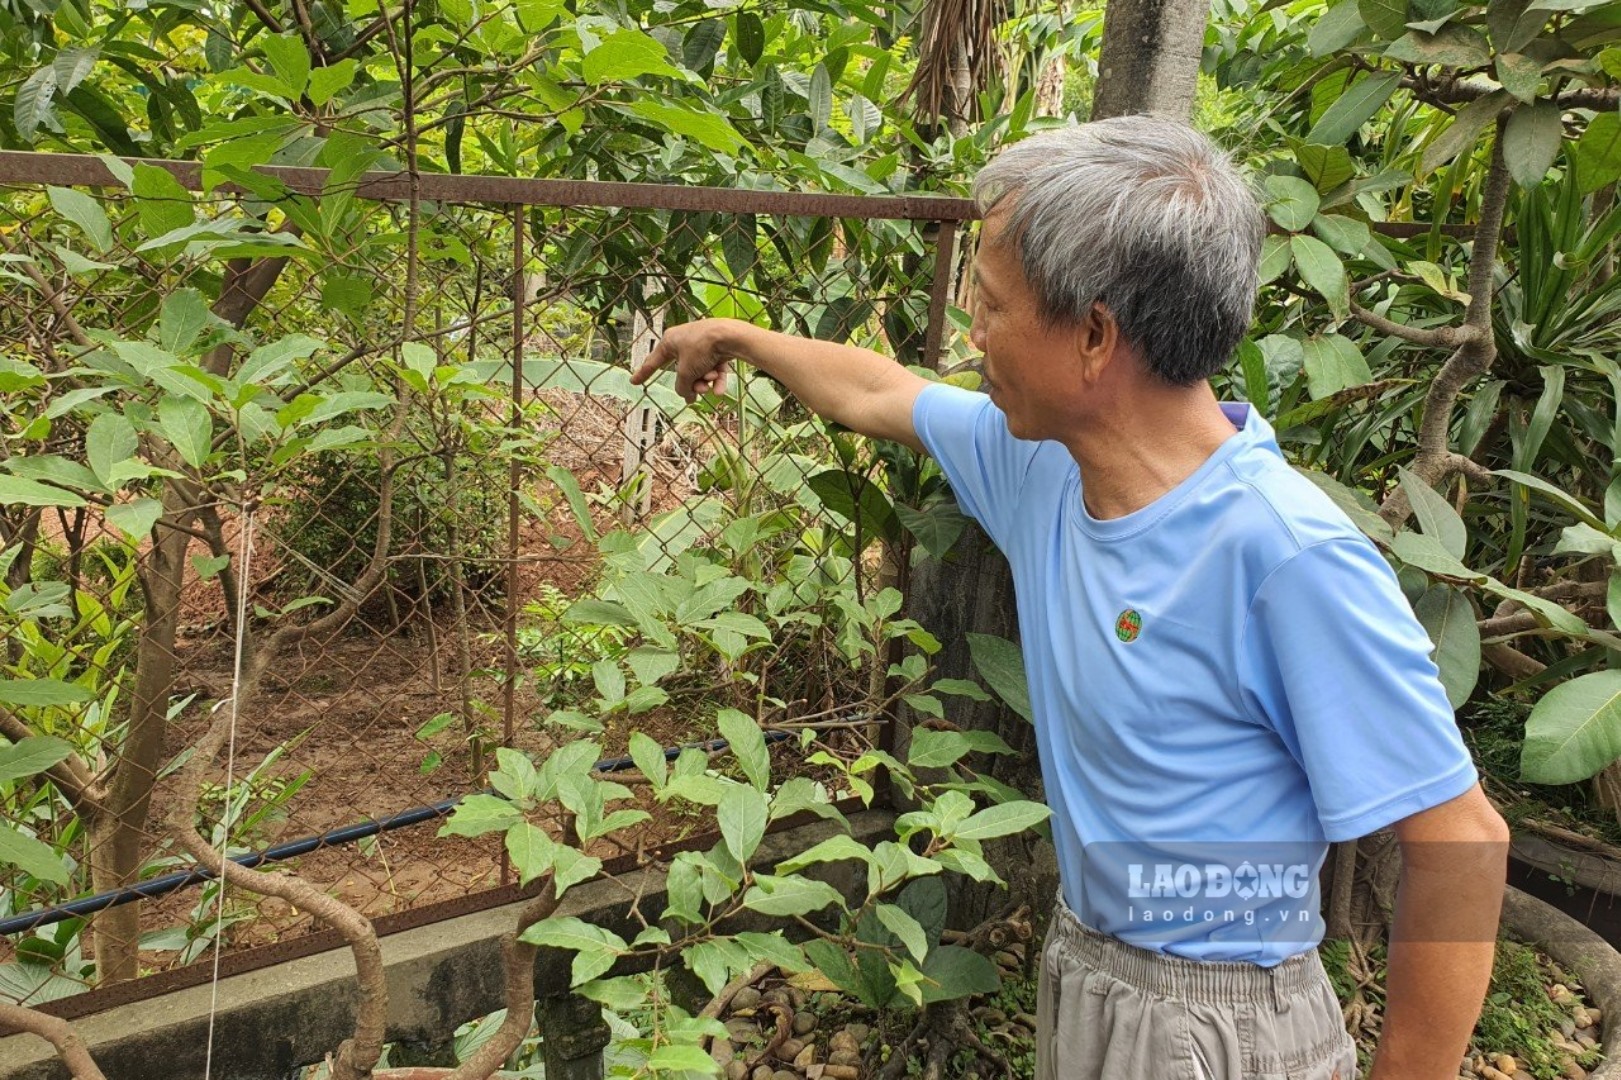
(1111, 1011)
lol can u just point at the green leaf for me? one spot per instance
(959, 688)
(834, 849)
(14, 490)
(268, 362)
(1435, 515)
(1464, 131)
(72, 65)
(788, 896)
(1598, 153)
(1355, 107)
(750, 38)
(326, 82)
(478, 814)
(110, 441)
(531, 850)
(1454, 45)
(29, 693)
(775, 948)
(136, 518)
(1345, 235)
(84, 212)
(1333, 363)
(1293, 202)
(1531, 142)
(32, 756)
(925, 900)
(31, 109)
(1574, 731)
(905, 928)
(702, 42)
(31, 856)
(1557, 494)
(742, 816)
(1001, 664)
(626, 54)
(955, 972)
(1520, 75)
(570, 867)
(832, 961)
(821, 97)
(1274, 258)
(595, 948)
(711, 129)
(1327, 167)
(649, 758)
(681, 1058)
(747, 743)
(1449, 618)
(570, 487)
(849, 495)
(189, 427)
(289, 59)
(162, 203)
(1387, 18)
(936, 528)
(1322, 270)
(1003, 819)
(939, 749)
(1340, 25)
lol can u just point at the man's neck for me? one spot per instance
(1133, 450)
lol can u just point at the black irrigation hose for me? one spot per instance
(349, 834)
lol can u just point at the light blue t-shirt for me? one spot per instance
(1223, 682)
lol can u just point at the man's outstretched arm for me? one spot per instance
(865, 392)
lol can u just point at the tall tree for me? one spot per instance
(1150, 57)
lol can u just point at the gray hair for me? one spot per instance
(1145, 216)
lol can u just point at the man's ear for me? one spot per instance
(1095, 339)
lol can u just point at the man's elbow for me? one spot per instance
(1467, 830)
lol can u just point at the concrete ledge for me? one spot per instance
(272, 1021)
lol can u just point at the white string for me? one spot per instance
(243, 576)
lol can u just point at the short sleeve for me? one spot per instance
(1333, 659)
(985, 464)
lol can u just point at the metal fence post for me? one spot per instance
(573, 1035)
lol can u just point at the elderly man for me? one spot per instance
(1224, 673)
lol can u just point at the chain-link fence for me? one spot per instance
(367, 451)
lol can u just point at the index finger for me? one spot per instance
(657, 358)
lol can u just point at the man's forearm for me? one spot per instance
(836, 382)
(1441, 947)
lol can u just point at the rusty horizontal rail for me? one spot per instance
(28, 167)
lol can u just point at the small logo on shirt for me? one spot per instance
(1127, 625)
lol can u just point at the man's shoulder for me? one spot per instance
(1277, 512)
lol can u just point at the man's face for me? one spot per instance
(1025, 366)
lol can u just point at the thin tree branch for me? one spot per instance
(356, 1057)
(56, 1031)
(1435, 459)
(270, 21)
(1441, 337)
(518, 958)
(1456, 91)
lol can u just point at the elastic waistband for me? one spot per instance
(1204, 981)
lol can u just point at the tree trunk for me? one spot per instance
(1149, 62)
(118, 836)
(971, 591)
